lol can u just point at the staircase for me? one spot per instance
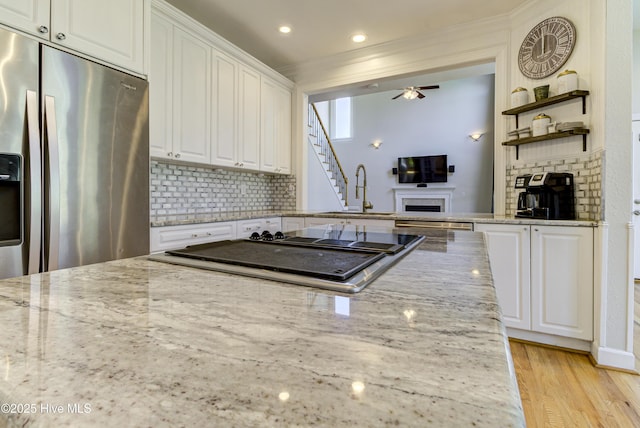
(319, 140)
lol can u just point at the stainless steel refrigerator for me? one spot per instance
(74, 160)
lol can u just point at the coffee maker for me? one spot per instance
(548, 196)
(522, 181)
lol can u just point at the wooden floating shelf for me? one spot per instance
(552, 136)
(547, 102)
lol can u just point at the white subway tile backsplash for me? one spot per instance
(182, 189)
(587, 177)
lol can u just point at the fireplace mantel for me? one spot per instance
(429, 199)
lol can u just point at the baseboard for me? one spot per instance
(550, 340)
(614, 359)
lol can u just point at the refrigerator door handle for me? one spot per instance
(35, 184)
(52, 180)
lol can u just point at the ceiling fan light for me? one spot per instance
(410, 94)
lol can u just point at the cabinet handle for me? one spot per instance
(636, 212)
(60, 36)
(536, 229)
(208, 233)
(177, 155)
(636, 201)
(194, 235)
(43, 29)
(170, 154)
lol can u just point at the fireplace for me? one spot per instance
(435, 199)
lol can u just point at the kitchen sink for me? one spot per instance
(360, 213)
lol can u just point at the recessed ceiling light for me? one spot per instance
(359, 38)
(285, 29)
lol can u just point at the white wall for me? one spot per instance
(438, 124)
(636, 71)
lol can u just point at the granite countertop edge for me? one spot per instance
(222, 216)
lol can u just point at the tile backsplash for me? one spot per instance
(587, 180)
(178, 189)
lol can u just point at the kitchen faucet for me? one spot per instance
(366, 205)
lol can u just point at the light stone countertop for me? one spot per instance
(218, 216)
(141, 343)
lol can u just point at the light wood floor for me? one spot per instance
(564, 389)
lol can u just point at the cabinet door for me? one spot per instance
(370, 222)
(249, 119)
(290, 224)
(110, 30)
(268, 126)
(320, 221)
(30, 16)
(224, 109)
(562, 281)
(275, 144)
(283, 131)
(246, 227)
(160, 88)
(509, 255)
(174, 237)
(191, 98)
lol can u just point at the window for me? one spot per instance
(341, 114)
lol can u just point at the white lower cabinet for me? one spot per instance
(319, 221)
(172, 237)
(289, 224)
(246, 227)
(543, 277)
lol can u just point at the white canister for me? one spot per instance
(567, 81)
(540, 125)
(519, 97)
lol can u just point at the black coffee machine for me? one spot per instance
(548, 196)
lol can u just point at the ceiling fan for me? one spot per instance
(413, 92)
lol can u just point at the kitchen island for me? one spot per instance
(141, 343)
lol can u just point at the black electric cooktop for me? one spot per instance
(333, 256)
(324, 262)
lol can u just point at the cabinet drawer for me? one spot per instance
(171, 237)
(247, 227)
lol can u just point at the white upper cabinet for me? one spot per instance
(249, 119)
(191, 98)
(161, 88)
(224, 109)
(275, 148)
(30, 16)
(179, 94)
(112, 31)
(209, 102)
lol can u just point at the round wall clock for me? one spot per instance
(547, 47)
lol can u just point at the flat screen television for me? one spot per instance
(422, 169)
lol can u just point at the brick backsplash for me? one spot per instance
(587, 179)
(178, 189)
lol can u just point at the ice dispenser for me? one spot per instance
(10, 199)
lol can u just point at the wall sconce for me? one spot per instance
(376, 144)
(476, 136)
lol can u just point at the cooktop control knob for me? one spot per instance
(267, 236)
(279, 235)
(255, 236)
